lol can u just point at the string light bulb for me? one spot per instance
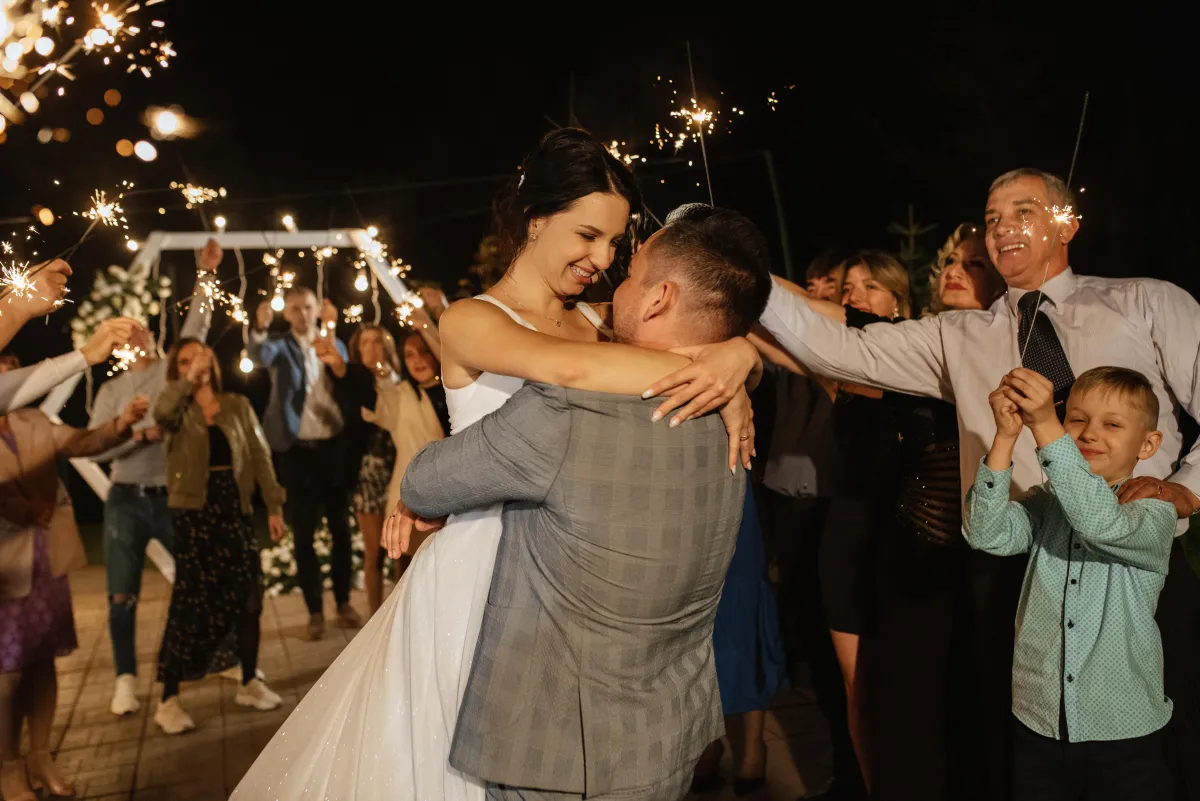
(220, 223)
(245, 364)
(277, 302)
(360, 281)
(166, 123)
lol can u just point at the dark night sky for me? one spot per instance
(298, 108)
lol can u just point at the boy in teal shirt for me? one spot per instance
(1087, 666)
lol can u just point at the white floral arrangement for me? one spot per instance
(118, 292)
(279, 569)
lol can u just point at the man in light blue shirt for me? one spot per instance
(1088, 664)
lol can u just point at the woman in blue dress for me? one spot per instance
(748, 650)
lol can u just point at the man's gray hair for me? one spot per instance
(1060, 194)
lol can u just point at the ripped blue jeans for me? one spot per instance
(133, 516)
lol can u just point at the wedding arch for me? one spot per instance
(148, 254)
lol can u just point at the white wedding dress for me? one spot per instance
(378, 725)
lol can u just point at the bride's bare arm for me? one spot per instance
(482, 338)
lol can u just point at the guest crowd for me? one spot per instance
(961, 645)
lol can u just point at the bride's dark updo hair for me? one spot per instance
(567, 165)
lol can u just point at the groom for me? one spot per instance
(593, 675)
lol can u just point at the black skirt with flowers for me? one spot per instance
(218, 580)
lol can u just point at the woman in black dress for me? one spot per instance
(216, 454)
(876, 287)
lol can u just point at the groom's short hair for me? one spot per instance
(723, 261)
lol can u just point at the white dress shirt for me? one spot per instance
(321, 418)
(960, 356)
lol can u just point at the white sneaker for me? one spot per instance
(258, 695)
(171, 718)
(235, 673)
(124, 700)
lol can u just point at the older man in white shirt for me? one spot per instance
(959, 356)
(1051, 320)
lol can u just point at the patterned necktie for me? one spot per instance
(1042, 351)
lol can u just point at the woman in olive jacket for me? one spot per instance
(216, 453)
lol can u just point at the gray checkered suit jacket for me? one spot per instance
(594, 668)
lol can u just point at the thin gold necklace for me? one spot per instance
(521, 305)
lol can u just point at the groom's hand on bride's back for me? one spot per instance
(398, 530)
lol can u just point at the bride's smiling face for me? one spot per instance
(572, 248)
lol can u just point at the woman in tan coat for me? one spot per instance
(409, 396)
(216, 453)
(39, 544)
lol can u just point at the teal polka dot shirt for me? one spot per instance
(1085, 631)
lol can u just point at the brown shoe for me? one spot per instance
(316, 626)
(348, 617)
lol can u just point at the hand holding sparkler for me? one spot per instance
(111, 335)
(198, 370)
(329, 314)
(40, 289)
(328, 354)
(435, 300)
(209, 259)
(264, 315)
(134, 412)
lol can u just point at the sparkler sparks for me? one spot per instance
(15, 278)
(106, 211)
(26, 46)
(1065, 215)
(125, 356)
(614, 150)
(197, 195)
(353, 314)
(208, 289)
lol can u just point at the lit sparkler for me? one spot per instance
(125, 356)
(208, 289)
(6, 248)
(1065, 215)
(614, 149)
(197, 195)
(16, 280)
(106, 211)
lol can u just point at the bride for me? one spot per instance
(378, 724)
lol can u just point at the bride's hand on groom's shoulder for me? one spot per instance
(717, 373)
(716, 378)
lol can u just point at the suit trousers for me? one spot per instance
(1116, 770)
(307, 471)
(672, 788)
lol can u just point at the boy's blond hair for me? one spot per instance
(1132, 387)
